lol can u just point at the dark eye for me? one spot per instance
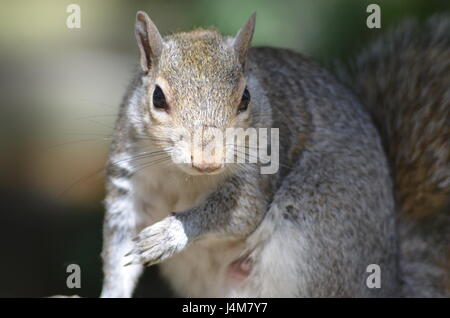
(159, 100)
(244, 101)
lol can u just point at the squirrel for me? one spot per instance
(363, 178)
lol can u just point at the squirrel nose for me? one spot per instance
(206, 167)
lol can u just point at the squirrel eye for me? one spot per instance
(244, 101)
(159, 100)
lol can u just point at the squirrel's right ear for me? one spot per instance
(149, 40)
(243, 39)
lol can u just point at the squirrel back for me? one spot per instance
(404, 80)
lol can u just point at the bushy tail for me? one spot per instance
(404, 80)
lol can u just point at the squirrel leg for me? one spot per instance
(311, 244)
(234, 210)
(119, 229)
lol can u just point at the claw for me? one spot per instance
(129, 253)
(134, 261)
(145, 249)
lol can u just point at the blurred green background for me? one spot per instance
(59, 92)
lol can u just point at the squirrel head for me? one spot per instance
(195, 89)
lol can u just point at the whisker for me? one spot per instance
(76, 141)
(242, 146)
(82, 179)
(255, 158)
(152, 163)
(103, 169)
(140, 137)
(139, 156)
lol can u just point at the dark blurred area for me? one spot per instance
(60, 89)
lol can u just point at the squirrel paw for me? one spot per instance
(158, 242)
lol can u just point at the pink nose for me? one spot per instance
(205, 167)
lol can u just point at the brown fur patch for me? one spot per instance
(404, 81)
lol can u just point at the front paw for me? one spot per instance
(158, 242)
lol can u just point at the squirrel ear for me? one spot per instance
(149, 40)
(243, 39)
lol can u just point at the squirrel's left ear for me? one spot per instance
(149, 40)
(243, 39)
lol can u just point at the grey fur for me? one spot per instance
(309, 230)
(404, 79)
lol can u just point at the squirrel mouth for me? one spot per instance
(207, 168)
(202, 169)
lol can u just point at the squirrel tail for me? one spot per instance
(403, 78)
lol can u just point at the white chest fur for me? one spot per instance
(162, 190)
(201, 269)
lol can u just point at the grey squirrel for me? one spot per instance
(364, 175)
